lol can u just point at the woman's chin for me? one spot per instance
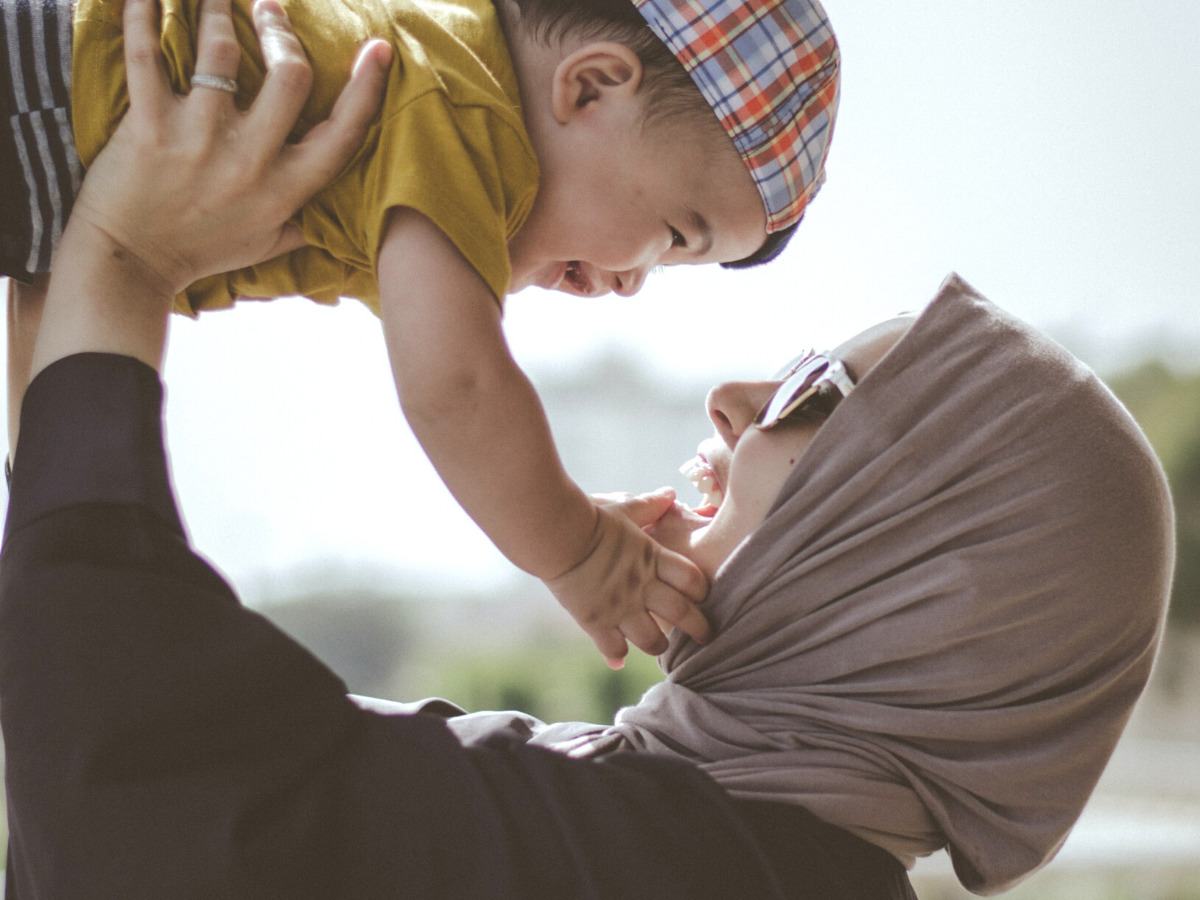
(701, 534)
(712, 544)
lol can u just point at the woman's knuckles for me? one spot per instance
(223, 53)
(292, 75)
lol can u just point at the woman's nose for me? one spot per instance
(732, 407)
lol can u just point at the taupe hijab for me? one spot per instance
(938, 633)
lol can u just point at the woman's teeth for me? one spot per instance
(701, 474)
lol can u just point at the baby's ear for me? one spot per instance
(596, 72)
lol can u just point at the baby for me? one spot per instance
(572, 146)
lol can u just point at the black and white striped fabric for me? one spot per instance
(39, 169)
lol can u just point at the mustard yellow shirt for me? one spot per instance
(450, 141)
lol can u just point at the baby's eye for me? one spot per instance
(677, 239)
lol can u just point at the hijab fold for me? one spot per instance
(939, 631)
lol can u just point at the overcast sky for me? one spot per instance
(1045, 150)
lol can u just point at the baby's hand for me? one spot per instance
(626, 581)
(674, 529)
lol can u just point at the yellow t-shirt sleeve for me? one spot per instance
(465, 169)
(455, 166)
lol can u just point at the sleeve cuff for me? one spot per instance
(91, 432)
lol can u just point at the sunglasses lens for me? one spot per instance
(793, 392)
(792, 365)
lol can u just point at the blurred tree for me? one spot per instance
(1167, 406)
(1185, 487)
(361, 635)
(508, 648)
(557, 678)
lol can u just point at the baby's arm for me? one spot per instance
(480, 421)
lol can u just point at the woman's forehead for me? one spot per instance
(866, 348)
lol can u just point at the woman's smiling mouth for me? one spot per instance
(700, 473)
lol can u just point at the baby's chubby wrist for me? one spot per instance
(580, 533)
(620, 521)
(589, 577)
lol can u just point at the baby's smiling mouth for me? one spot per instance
(700, 473)
(575, 278)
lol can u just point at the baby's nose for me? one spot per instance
(630, 281)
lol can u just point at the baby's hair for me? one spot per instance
(668, 89)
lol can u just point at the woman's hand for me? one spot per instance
(190, 186)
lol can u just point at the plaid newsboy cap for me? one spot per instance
(770, 70)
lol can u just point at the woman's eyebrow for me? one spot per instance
(701, 226)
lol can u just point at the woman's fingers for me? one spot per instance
(289, 76)
(290, 238)
(146, 74)
(217, 56)
(326, 149)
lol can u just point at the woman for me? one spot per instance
(902, 647)
(935, 599)
(164, 742)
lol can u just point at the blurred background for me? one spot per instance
(1046, 151)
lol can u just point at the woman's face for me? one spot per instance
(741, 468)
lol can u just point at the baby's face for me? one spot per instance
(741, 468)
(616, 200)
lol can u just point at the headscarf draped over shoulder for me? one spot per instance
(938, 634)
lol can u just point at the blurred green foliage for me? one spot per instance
(558, 679)
(1167, 406)
(510, 649)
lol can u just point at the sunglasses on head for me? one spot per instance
(813, 383)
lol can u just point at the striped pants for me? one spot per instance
(39, 169)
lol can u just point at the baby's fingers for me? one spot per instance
(673, 609)
(644, 633)
(680, 573)
(646, 509)
(611, 644)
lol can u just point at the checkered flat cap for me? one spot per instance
(770, 70)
